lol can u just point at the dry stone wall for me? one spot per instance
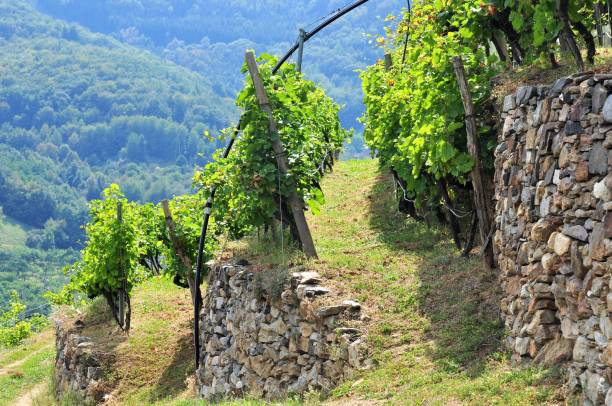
(554, 228)
(271, 334)
(78, 367)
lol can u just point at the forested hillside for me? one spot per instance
(78, 111)
(210, 36)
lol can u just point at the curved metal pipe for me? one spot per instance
(316, 30)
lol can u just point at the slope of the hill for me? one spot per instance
(434, 334)
(210, 36)
(80, 110)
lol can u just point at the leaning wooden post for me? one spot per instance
(122, 290)
(295, 202)
(180, 251)
(301, 39)
(480, 200)
(388, 62)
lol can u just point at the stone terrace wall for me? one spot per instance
(254, 343)
(77, 365)
(554, 222)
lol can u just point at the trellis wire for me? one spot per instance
(454, 212)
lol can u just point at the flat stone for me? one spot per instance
(352, 305)
(573, 127)
(598, 160)
(598, 98)
(307, 278)
(555, 352)
(311, 291)
(524, 93)
(559, 85)
(602, 191)
(607, 110)
(521, 345)
(597, 246)
(581, 347)
(550, 261)
(577, 232)
(327, 311)
(509, 103)
(594, 386)
(607, 223)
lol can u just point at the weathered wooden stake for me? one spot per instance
(567, 34)
(295, 202)
(388, 62)
(180, 251)
(480, 199)
(301, 49)
(121, 293)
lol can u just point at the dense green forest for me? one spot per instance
(210, 37)
(78, 111)
(94, 93)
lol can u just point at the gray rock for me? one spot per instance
(525, 93)
(327, 311)
(581, 347)
(558, 86)
(599, 97)
(607, 110)
(307, 278)
(598, 160)
(577, 232)
(594, 386)
(573, 127)
(509, 103)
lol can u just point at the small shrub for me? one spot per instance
(270, 283)
(13, 329)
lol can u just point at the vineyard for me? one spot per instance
(431, 121)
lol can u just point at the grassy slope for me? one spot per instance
(26, 366)
(13, 234)
(434, 333)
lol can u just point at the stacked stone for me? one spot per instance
(269, 348)
(77, 366)
(554, 228)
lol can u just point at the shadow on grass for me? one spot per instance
(173, 379)
(457, 296)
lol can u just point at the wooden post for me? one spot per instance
(122, 290)
(301, 49)
(180, 251)
(295, 202)
(567, 34)
(598, 27)
(480, 199)
(499, 43)
(388, 62)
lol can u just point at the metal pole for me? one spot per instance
(301, 49)
(199, 261)
(316, 30)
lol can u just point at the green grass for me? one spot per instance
(13, 234)
(435, 332)
(35, 344)
(25, 366)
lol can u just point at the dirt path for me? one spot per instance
(27, 399)
(7, 369)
